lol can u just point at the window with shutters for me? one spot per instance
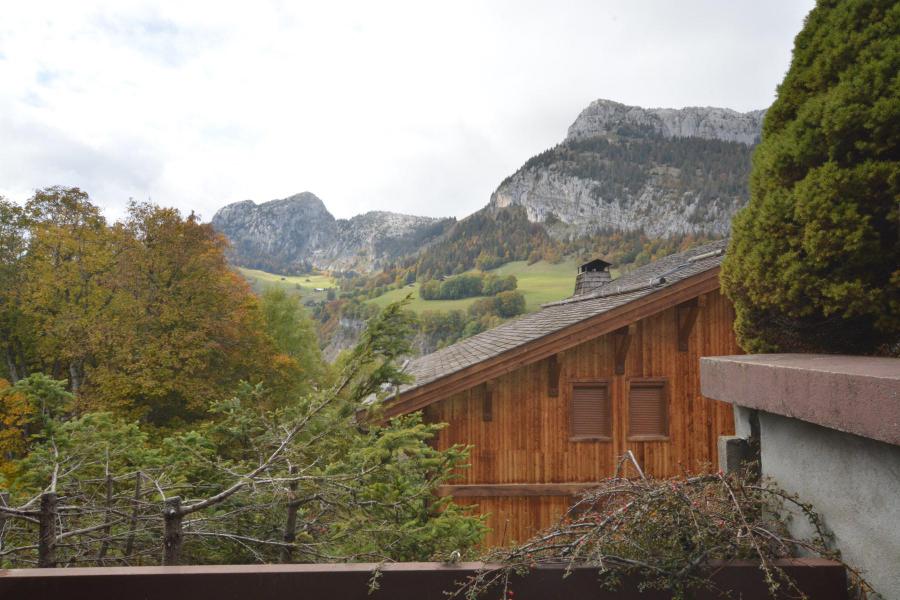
(591, 413)
(648, 409)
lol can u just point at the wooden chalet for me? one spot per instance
(552, 400)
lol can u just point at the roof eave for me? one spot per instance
(417, 398)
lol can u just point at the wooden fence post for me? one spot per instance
(4, 501)
(104, 545)
(47, 535)
(174, 535)
(132, 525)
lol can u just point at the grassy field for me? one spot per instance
(540, 283)
(305, 285)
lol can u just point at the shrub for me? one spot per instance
(813, 260)
(509, 304)
(494, 284)
(670, 532)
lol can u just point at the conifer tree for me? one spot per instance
(813, 261)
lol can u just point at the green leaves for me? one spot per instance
(47, 402)
(143, 317)
(813, 258)
(399, 472)
(259, 480)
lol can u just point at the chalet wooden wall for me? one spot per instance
(526, 440)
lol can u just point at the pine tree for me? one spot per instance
(813, 260)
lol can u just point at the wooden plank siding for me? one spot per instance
(604, 322)
(527, 438)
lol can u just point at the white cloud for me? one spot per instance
(409, 106)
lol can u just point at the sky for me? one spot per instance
(418, 107)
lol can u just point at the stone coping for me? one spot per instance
(853, 394)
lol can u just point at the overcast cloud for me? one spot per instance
(418, 107)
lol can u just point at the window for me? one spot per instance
(591, 414)
(648, 411)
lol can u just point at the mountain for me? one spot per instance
(663, 171)
(604, 117)
(296, 233)
(657, 173)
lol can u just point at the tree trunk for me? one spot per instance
(290, 526)
(4, 501)
(132, 526)
(290, 532)
(11, 367)
(104, 545)
(75, 376)
(47, 537)
(174, 535)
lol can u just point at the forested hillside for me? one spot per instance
(446, 312)
(631, 179)
(485, 239)
(711, 170)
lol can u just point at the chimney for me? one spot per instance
(592, 276)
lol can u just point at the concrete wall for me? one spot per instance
(852, 481)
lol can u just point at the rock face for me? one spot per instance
(663, 171)
(603, 117)
(297, 233)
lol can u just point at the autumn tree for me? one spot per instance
(13, 241)
(144, 317)
(65, 281)
(813, 260)
(181, 327)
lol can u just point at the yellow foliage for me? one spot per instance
(15, 415)
(144, 318)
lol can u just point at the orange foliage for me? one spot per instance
(15, 415)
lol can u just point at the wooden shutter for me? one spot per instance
(591, 415)
(648, 416)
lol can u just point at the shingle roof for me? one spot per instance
(555, 316)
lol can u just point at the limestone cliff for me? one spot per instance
(603, 117)
(297, 233)
(663, 171)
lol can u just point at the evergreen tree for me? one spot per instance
(307, 481)
(813, 260)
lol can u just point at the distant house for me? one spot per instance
(551, 400)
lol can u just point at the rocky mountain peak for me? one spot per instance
(603, 117)
(303, 206)
(660, 170)
(297, 233)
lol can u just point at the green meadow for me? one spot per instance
(540, 283)
(305, 285)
